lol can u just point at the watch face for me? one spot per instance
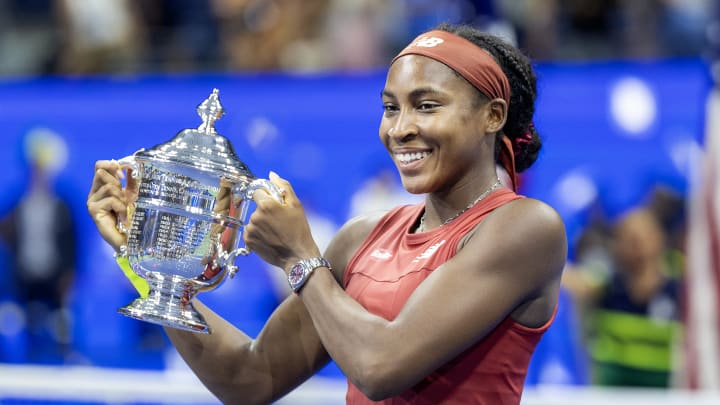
(296, 274)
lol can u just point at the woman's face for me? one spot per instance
(434, 126)
(639, 239)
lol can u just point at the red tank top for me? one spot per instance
(388, 267)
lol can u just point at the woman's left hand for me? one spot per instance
(279, 231)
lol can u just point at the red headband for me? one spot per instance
(469, 60)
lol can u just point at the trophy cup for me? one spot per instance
(185, 227)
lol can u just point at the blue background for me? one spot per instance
(320, 132)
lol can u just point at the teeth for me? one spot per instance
(411, 157)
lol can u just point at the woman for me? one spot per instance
(442, 302)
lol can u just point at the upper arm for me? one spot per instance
(514, 257)
(347, 241)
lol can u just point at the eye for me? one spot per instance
(427, 105)
(389, 108)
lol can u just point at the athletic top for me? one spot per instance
(388, 267)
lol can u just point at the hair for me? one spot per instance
(523, 89)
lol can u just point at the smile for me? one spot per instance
(406, 158)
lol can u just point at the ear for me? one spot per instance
(496, 111)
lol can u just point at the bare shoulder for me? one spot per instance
(348, 240)
(532, 218)
(534, 225)
(529, 233)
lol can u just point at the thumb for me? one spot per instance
(278, 181)
(283, 185)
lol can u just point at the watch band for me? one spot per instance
(301, 271)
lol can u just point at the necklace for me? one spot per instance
(421, 227)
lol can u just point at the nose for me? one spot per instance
(404, 127)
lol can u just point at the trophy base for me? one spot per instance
(168, 304)
(189, 320)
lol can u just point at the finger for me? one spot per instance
(223, 191)
(131, 183)
(103, 189)
(277, 180)
(108, 203)
(106, 185)
(108, 210)
(286, 188)
(111, 190)
(260, 195)
(109, 165)
(103, 213)
(104, 173)
(222, 201)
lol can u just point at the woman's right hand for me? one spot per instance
(108, 201)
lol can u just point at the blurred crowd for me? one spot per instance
(39, 37)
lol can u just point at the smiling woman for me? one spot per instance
(439, 302)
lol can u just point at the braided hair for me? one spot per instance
(521, 76)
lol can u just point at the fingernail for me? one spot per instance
(273, 175)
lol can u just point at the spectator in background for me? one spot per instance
(181, 35)
(29, 37)
(609, 29)
(626, 281)
(361, 34)
(100, 36)
(40, 235)
(260, 34)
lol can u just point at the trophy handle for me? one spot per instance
(267, 185)
(247, 191)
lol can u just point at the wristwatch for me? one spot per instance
(300, 271)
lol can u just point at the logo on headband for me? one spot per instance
(429, 42)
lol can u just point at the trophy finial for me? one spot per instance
(210, 111)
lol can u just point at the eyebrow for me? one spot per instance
(417, 93)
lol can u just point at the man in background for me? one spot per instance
(40, 235)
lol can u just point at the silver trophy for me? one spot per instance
(185, 228)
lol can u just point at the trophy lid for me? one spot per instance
(202, 148)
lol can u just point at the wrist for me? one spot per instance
(299, 273)
(289, 262)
